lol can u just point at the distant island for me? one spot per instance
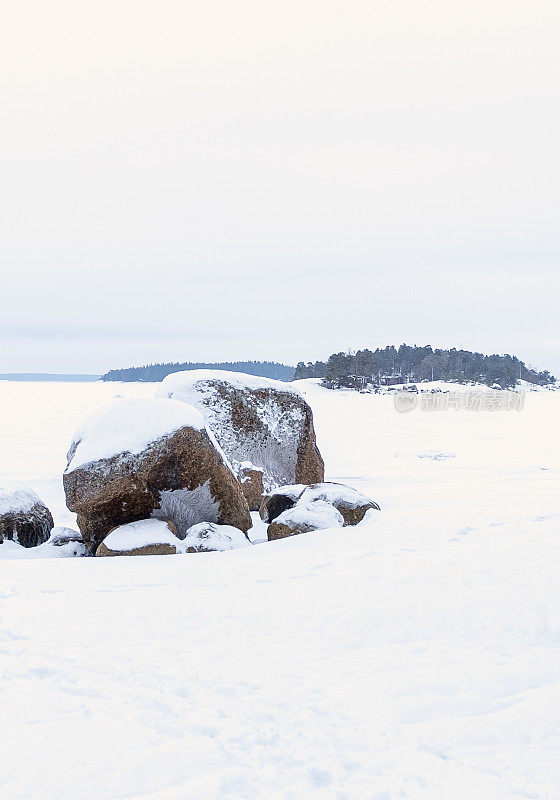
(383, 366)
(406, 364)
(157, 372)
(49, 376)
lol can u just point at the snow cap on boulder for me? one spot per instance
(128, 426)
(207, 536)
(303, 518)
(147, 537)
(135, 459)
(351, 503)
(258, 420)
(24, 518)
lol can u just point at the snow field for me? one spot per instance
(416, 655)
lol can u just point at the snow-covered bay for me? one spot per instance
(414, 656)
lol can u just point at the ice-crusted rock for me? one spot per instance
(265, 422)
(147, 537)
(69, 541)
(352, 504)
(207, 536)
(303, 518)
(61, 535)
(24, 518)
(280, 500)
(135, 459)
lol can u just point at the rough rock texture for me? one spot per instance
(207, 536)
(24, 518)
(280, 500)
(251, 480)
(265, 422)
(145, 550)
(352, 504)
(181, 477)
(304, 518)
(145, 538)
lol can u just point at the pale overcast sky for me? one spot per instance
(230, 180)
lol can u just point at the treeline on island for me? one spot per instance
(409, 364)
(404, 364)
(157, 372)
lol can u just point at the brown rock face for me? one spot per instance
(180, 477)
(277, 530)
(24, 518)
(257, 420)
(147, 550)
(251, 481)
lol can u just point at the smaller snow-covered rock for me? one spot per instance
(351, 503)
(61, 535)
(208, 536)
(280, 500)
(69, 541)
(305, 517)
(147, 537)
(24, 518)
(251, 480)
(13, 551)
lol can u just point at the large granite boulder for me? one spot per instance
(24, 518)
(135, 459)
(148, 537)
(303, 518)
(207, 536)
(352, 504)
(265, 422)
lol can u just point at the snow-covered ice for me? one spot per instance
(416, 655)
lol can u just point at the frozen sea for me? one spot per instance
(414, 656)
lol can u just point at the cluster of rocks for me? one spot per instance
(181, 473)
(26, 521)
(295, 509)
